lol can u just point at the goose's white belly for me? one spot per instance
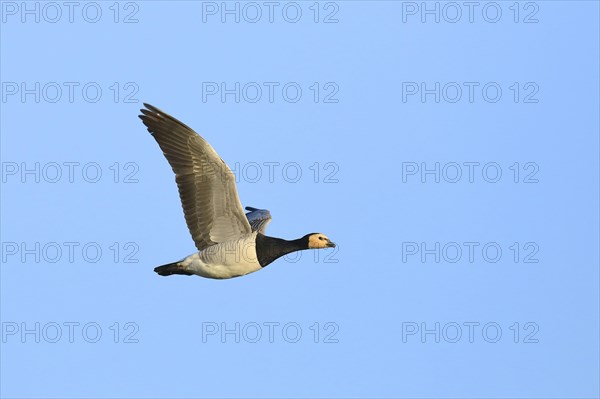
(225, 260)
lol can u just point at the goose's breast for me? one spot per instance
(225, 260)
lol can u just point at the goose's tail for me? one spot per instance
(171, 268)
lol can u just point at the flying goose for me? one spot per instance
(229, 242)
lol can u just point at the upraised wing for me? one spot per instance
(209, 197)
(258, 219)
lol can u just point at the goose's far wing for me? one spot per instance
(258, 219)
(209, 197)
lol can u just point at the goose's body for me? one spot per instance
(229, 242)
(224, 260)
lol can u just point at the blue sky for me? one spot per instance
(450, 150)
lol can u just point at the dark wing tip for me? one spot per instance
(251, 209)
(147, 112)
(147, 120)
(152, 117)
(155, 117)
(151, 107)
(151, 110)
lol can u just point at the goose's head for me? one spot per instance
(318, 240)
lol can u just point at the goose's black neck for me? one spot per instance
(270, 248)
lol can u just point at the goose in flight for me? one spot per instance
(230, 243)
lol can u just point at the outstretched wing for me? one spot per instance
(209, 197)
(258, 219)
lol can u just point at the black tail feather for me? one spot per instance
(171, 268)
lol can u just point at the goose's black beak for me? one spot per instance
(331, 244)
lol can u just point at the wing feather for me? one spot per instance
(207, 189)
(258, 219)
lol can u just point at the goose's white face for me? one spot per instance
(318, 240)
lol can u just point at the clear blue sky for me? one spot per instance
(455, 162)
